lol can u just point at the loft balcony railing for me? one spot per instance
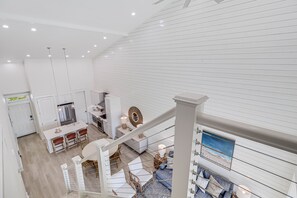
(264, 163)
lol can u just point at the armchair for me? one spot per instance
(138, 175)
(118, 186)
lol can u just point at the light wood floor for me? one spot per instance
(42, 172)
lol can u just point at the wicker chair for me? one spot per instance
(116, 157)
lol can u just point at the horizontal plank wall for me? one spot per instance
(240, 53)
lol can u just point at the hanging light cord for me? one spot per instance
(50, 57)
(70, 90)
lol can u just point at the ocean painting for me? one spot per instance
(217, 149)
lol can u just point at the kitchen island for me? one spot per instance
(63, 130)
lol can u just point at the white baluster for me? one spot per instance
(66, 177)
(79, 173)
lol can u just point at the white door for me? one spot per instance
(48, 115)
(21, 118)
(80, 106)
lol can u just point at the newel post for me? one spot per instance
(184, 145)
(66, 177)
(79, 173)
(104, 169)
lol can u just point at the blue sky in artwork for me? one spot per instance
(218, 143)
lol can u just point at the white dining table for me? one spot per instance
(61, 131)
(90, 149)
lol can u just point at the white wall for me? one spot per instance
(13, 78)
(293, 187)
(42, 79)
(242, 54)
(9, 172)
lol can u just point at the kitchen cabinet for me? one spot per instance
(136, 143)
(96, 97)
(80, 106)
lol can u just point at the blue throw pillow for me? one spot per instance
(171, 154)
(163, 166)
(227, 195)
(206, 174)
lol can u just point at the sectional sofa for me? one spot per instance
(164, 176)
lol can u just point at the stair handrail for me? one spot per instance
(154, 122)
(265, 136)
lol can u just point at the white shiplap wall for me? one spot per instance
(241, 53)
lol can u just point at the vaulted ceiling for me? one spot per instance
(84, 28)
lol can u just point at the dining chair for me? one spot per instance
(138, 175)
(71, 140)
(96, 168)
(83, 144)
(116, 157)
(87, 165)
(58, 144)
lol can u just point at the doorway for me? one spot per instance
(20, 114)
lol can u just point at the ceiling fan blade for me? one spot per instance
(187, 2)
(158, 2)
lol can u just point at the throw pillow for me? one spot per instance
(171, 154)
(227, 195)
(206, 174)
(169, 163)
(214, 188)
(202, 182)
(223, 182)
(163, 166)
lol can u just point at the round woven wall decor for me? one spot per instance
(135, 116)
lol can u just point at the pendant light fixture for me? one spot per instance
(53, 71)
(70, 90)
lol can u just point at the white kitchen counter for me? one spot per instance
(96, 113)
(51, 133)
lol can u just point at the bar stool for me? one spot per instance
(83, 135)
(71, 140)
(58, 144)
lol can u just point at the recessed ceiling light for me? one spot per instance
(49, 55)
(95, 45)
(33, 29)
(104, 37)
(67, 56)
(5, 26)
(133, 14)
(83, 56)
(28, 55)
(9, 61)
(88, 51)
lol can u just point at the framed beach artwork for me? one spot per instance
(217, 149)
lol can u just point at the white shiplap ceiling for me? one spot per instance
(77, 25)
